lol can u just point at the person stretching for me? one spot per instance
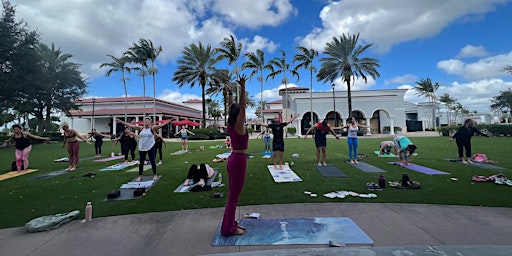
(385, 147)
(404, 149)
(266, 139)
(184, 137)
(71, 136)
(352, 129)
(22, 145)
(463, 139)
(98, 141)
(321, 130)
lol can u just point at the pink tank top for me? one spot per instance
(238, 142)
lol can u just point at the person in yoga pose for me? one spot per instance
(98, 141)
(385, 147)
(266, 134)
(159, 142)
(23, 146)
(71, 137)
(321, 130)
(199, 174)
(352, 128)
(463, 139)
(184, 137)
(404, 149)
(128, 143)
(146, 143)
(237, 162)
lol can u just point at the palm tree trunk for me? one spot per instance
(349, 98)
(311, 95)
(154, 98)
(144, 93)
(204, 102)
(125, 100)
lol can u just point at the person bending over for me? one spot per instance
(385, 147)
(404, 149)
(463, 139)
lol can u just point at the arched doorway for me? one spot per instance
(359, 117)
(306, 121)
(334, 119)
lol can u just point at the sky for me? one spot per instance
(460, 44)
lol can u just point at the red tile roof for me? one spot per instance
(131, 99)
(133, 111)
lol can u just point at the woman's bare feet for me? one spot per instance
(155, 177)
(186, 183)
(139, 178)
(72, 169)
(239, 231)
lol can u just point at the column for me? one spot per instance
(114, 126)
(391, 126)
(368, 129)
(298, 127)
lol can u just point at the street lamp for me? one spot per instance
(92, 120)
(334, 105)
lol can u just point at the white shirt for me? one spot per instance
(147, 139)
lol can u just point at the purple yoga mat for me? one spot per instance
(109, 159)
(419, 168)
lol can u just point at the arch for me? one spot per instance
(334, 119)
(306, 121)
(360, 116)
(376, 125)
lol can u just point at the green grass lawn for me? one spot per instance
(24, 198)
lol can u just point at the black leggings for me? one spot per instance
(97, 147)
(151, 156)
(126, 149)
(197, 174)
(158, 147)
(461, 144)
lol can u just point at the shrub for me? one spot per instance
(292, 130)
(494, 129)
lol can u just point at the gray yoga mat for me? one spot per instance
(365, 167)
(330, 171)
(127, 193)
(182, 188)
(479, 165)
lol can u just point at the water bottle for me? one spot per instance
(88, 212)
(112, 154)
(220, 177)
(382, 181)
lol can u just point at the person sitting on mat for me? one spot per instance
(404, 149)
(463, 139)
(321, 130)
(22, 145)
(199, 174)
(385, 147)
(184, 137)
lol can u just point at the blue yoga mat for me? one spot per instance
(295, 231)
(419, 168)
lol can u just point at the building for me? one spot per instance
(100, 113)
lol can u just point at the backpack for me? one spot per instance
(405, 180)
(480, 158)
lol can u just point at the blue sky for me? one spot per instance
(460, 44)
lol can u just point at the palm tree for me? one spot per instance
(278, 66)
(507, 69)
(344, 61)
(256, 63)
(119, 64)
(198, 66)
(305, 58)
(135, 55)
(426, 88)
(230, 50)
(225, 87)
(448, 101)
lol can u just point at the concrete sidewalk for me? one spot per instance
(190, 232)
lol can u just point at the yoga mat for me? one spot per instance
(182, 188)
(224, 155)
(181, 152)
(479, 165)
(145, 168)
(365, 167)
(127, 193)
(51, 174)
(384, 155)
(65, 159)
(109, 158)
(15, 174)
(330, 171)
(419, 168)
(284, 175)
(119, 166)
(296, 231)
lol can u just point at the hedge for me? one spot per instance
(494, 129)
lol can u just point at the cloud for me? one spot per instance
(259, 43)
(407, 78)
(472, 51)
(176, 96)
(387, 23)
(485, 68)
(358, 85)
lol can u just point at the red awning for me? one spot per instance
(185, 122)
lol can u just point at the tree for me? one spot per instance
(448, 101)
(119, 65)
(259, 109)
(230, 50)
(214, 109)
(344, 61)
(304, 59)
(502, 102)
(225, 87)
(143, 52)
(197, 65)
(507, 69)
(278, 66)
(426, 88)
(256, 64)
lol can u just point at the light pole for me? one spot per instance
(334, 105)
(92, 120)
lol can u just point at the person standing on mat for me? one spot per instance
(159, 142)
(237, 162)
(278, 142)
(199, 174)
(71, 136)
(352, 129)
(463, 139)
(184, 137)
(98, 141)
(266, 134)
(321, 130)
(146, 143)
(404, 149)
(128, 143)
(385, 147)
(22, 145)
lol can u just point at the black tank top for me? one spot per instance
(22, 142)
